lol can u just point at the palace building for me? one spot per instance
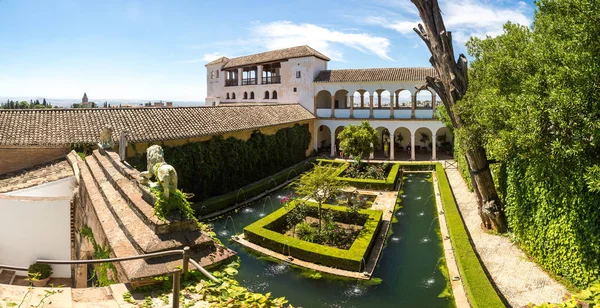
(393, 100)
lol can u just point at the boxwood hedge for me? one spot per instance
(351, 259)
(387, 184)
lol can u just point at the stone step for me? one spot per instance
(140, 234)
(120, 245)
(7, 276)
(135, 197)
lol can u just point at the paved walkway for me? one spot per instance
(518, 279)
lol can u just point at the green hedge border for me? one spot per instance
(351, 259)
(387, 184)
(221, 202)
(480, 291)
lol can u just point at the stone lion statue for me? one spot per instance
(106, 140)
(164, 173)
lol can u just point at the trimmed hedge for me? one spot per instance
(387, 184)
(351, 259)
(479, 289)
(223, 201)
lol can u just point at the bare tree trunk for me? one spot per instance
(451, 85)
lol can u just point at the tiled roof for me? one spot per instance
(216, 61)
(34, 176)
(376, 74)
(48, 127)
(274, 55)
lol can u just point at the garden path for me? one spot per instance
(520, 280)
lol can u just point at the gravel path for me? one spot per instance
(520, 280)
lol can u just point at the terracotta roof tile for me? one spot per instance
(38, 175)
(275, 55)
(217, 61)
(50, 127)
(376, 74)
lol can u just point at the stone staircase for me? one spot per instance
(130, 228)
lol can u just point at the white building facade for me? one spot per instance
(395, 101)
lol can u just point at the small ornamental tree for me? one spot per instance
(358, 141)
(320, 184)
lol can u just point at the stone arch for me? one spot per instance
(324, 139)
(251, 95)
(341, 99)
(444, 140)
(424, 99)
(402, 140)
(266, 94)
(383, 99)
(384, 137)
(232, 95)
(403, 98)
(423, 139)
(245, 95)
(274, 96)
(227, 95)
(323, 99)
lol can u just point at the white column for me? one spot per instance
(240, 73)
(371, 105)
(392, 141)
(412, 146)
(391, 105)
(333, 106)
(259, 74)
(351, 100)
(316, 137)
(413, 105)
(332, 143)
(434, 148)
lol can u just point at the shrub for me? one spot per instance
(306, 231)
(39, 271)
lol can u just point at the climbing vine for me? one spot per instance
(100, 252)
(220, 165)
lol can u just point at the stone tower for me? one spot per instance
(85, 98)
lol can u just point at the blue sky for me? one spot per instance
(156, 50)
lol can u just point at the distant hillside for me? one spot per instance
(67, 102)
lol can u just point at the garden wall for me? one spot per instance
(219, 166)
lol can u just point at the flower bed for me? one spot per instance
(385, 184)
(262, 233)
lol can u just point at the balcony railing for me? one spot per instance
(231, 82)
(271, 79)
(248, 81)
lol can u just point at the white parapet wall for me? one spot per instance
(35, 224)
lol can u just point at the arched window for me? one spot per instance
(251, 95)
(227, 95)
(245, 95)
(274, 95)
(232, 95)
(212, 74)
(266, 94)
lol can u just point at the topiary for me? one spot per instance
(39, 271)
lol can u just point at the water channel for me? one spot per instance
(408, 267)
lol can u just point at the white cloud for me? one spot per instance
(282, 34)
(466, 18)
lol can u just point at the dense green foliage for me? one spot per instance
(479, 289)
(386, 184)
(261, 232)
(177, 203)
(219, 166)
(223, 201)
(10, 104)
(534, 98)
(358, 141)
(588, 298)
(39, 271)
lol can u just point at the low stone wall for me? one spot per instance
(13, 159)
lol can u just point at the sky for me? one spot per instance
(157, 49)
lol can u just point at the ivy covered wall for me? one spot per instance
(220, 165)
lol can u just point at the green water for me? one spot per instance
(408, 265)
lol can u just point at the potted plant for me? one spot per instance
(39, 274)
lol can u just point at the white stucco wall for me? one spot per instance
(35, 224)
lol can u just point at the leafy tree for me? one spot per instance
(533, 100)
(320, 184)
(358, 141)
